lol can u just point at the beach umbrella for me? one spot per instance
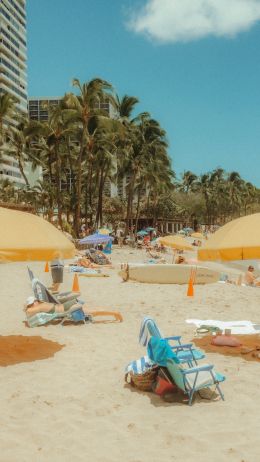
(24, 236)
(175, 242)
(188, 230)
(142, 233)
(198, 235)
(96, 238)
(237, 240)
(104, 231)
(149, 229)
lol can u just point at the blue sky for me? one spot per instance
(196, 71)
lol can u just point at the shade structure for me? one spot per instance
(96, 239)
(24, 236)
(104, 231)
(142, 233)
(175, 242)
(237, 240)
(197, 235)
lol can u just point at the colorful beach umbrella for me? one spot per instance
(237, 240)
(104, 231)
(142, 233)
(24, 236)
(175, 242)
(96, 239)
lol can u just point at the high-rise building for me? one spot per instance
(38, 107)
(13, 70)
(38, 110)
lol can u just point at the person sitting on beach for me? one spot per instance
(180, 260)
(250, 278)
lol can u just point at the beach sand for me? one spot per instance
(74, 406)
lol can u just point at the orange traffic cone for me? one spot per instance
(75, 286)
(190, 291)
(46, 269)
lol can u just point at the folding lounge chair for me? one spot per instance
(185, 351)
(194, 379)
(47, 296)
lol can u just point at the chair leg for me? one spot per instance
(191, 393)
(220, 392)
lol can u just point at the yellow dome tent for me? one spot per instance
(237, 240)
(24, 236)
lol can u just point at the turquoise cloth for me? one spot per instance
(108, 248)
(159, 350)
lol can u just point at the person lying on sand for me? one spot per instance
(34, 306)
(250, 278)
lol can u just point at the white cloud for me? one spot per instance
(185, 20)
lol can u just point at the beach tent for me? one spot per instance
(175, 242)
(96, 238)
(237, 240)
(24, 236)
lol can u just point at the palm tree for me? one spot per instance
(86, 107)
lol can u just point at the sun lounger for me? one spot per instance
(42, 293)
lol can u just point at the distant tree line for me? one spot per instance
(81, 147)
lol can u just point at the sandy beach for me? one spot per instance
(75, 406)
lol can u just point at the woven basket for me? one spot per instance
(143, 381)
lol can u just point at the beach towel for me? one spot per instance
(81, 269)
(139, 366)
(159, 351)
(237, 327)
(148, 328)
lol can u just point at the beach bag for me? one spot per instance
(225, 340)
(144, 381)
(163, 383)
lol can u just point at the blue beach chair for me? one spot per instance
(190, 379)
(194, 379)
(185, 351)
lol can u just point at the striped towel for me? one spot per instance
(148, 328)
(140, 365)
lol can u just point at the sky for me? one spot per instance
(193, 64)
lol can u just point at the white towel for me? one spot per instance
(237, 327)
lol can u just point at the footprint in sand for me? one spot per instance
(131, 426)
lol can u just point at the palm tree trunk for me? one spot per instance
(137, 209)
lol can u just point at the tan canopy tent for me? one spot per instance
(237, 240)
(24, 236)
(175, 242)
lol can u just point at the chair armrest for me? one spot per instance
(187, 346)
(176, 337)
(193, 370)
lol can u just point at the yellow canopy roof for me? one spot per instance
(175, 242)
(237, 240)
(24, 236)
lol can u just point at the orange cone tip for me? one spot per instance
(75, 286)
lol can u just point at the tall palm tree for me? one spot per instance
(86, 107)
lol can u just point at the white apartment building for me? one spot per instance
(13, 70)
